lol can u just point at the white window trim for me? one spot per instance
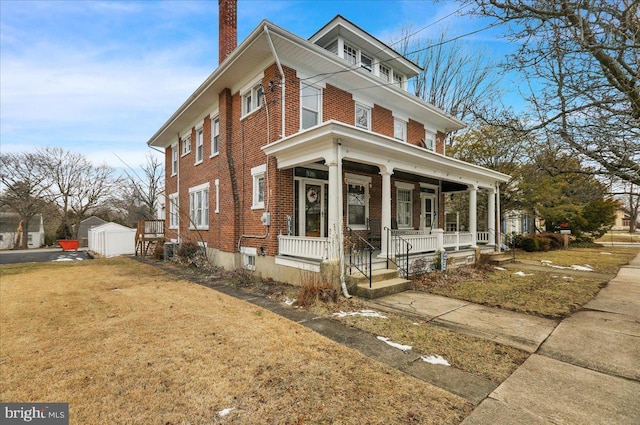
(175, 157)
(217, 185)
(185, 149)
(366, 182)
(250, 88)
(200, 188)
(199, 143)
(174, 197)
(256, 174)
(368, 109)
(217, 151)
(319, 111)
(404, 127)
(246, 253)
(410, 187)
(430, 140)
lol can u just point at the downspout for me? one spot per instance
(178, 187)
(343, 284)
(282, 80)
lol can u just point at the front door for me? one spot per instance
(428, 213)
(313, 212)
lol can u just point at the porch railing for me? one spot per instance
(305, 247)
(483, 237)
(457, 240)
(398, 249)
(360, 255)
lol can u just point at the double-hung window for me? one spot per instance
(404, 205)
(363, 117)
(310, 101)
(199, 207)
(252, 99)
(350, 54)
(398, 80)
(366, 62)
(174, 159)
(400, 129)
(257, 174)
(186, 144)
(385, 73)
(173, 211)
(215, 136)
(199, 145)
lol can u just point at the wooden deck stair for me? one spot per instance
(148, 235)
(383, 282)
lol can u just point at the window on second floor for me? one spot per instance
(215, 136)
(174, 159)
(400, 129)
(363, 116)
(310, 98)
(199, 145)
(186, 145)
(252, 99)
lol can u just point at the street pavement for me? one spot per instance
(40, 255)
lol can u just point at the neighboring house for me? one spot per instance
(85, 225)
(9, 223)
(623, 221)
(290, 144)
(520, 222)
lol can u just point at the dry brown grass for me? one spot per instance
(550, 293)
(474, 355)
(125, 343)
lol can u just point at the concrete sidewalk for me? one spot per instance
(518, 330)
(586, 372)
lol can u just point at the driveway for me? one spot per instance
(41, 256)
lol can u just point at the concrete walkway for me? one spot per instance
(586, 372)
(518, 330)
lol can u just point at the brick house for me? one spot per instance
(292, 146)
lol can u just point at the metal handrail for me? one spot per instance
(396, 259)
(357, 255)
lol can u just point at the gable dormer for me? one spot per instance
(360, 49)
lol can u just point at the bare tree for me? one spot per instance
(75, 185)
(582, 59)
(456, 77)
(23, 188)
(138, 197)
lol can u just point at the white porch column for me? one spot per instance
(499, 223)
(335, 191)
(385, 218)
(491, 216)
(473, 215)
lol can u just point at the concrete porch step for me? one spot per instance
(381, 288)
(376, 276)
(499, 258)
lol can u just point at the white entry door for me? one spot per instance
(428, 214)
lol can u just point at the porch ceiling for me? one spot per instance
(388, 154)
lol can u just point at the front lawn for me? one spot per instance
(124, 343)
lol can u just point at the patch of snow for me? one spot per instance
(606, 253)
(416, 324)
(225, 412)
(585, 268)
(546, 261)
(404, 348)
(289, 301)
(502, 269)
(364, 313)
(523, 274)
(435, 360)
(63, 259)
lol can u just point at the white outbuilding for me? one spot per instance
(111, 240)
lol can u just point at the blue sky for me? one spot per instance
(100, 77)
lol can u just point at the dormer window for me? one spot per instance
(398, 80)
(366, 62)
(350, 54)
(385, 73)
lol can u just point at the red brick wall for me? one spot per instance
(415, 133)
(382, 121)
(338, 105)
(440, 136)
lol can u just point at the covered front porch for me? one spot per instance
(350, 184)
